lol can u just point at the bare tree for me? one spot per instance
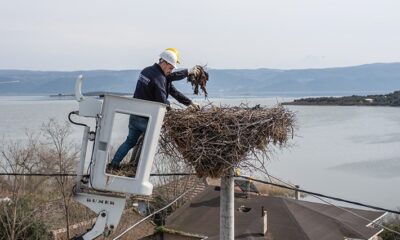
(169, 187)
(18, 157)
(65, 155)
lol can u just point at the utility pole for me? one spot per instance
(296, 192)
(227, 212)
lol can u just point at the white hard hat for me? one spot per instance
(176, 52)
(170, 56)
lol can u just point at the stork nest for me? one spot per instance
(214, 139)
(199, 80)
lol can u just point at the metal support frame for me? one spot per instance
(109, 211)
(81, 168)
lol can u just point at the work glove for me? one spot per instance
(195, 105)
(195, 71)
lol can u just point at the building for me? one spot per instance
(285, 219)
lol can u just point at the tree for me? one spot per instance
(16, 216)
(64, 154)
(392, 222)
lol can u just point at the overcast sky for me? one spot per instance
(129, 34)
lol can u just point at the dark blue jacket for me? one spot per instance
(153, 85)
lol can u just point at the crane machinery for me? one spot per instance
(101, 191)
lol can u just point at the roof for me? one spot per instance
(287, 218)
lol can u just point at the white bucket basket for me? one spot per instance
(100, 179)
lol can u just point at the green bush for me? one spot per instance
(387, 235)
(26, 226)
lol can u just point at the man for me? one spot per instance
(154, 84)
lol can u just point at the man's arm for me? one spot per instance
(178, 95)
(179, 75)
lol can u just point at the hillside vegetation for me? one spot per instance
(391, 99)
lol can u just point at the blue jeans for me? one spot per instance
(137, 126)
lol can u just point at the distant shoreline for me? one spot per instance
(386, 100)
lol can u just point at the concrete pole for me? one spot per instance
(264, 226)
(227, 212)
(296, 193)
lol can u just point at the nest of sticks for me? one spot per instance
(215, 139)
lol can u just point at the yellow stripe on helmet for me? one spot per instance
(174, 50)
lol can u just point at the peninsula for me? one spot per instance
(391, 99)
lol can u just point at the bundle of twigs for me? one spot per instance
(215, 139)
(199, 80)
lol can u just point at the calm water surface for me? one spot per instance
(347, 152)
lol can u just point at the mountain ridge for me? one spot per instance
(375, 77)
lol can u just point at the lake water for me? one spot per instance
(347, 152)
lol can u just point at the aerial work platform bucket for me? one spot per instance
(139, 184)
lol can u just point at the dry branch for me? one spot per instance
(214, 139)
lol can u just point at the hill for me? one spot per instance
(21, 82)
(391, 99)
(376, 78)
